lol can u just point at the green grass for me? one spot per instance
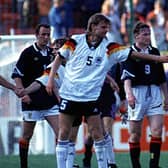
(48, 161)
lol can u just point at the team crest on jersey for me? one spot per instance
(98, 60)
(36, 58)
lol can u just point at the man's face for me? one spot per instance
(101, 29)
(43, 36)
(144, 36)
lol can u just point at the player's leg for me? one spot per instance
(28, 128)
(71, 148)
(156, 125)
(71, 145)
(65, 124)
(134, 142)
(96, 130)
(88, 150)
(108, 108)
(51, 116)
(107, 123)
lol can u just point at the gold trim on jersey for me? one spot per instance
(70, 45)
(114, 47)
(47, 72)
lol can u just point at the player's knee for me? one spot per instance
(63, 134)
(135, 137)
(156, 132)
(23, 143)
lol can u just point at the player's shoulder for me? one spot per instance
(78, 37)
(153, 50)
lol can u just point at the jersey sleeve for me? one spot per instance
(68, 48)
(118, 53)
(18, 71)
(127, 70)
(58, 76)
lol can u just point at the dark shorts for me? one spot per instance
(77, 122)
(78, 109)
(106, 101)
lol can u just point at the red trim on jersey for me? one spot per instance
(69, 44)
(114, 47)
(47, 72)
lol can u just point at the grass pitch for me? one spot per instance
(48, 161)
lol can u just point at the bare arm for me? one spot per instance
(19, 84)
(151, 57)
(113, 83)
(165, 94)
(51, 84)
(129, 93)
(30, 89)
(6, 84)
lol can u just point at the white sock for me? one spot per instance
(109, 149)
(61, 153)
(71, 155)
(100, 153)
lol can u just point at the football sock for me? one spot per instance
(88, 152)
(61, 153)
(155, 146)
(23, 152)
(109, 149)
(135, 154)
(71, 155)
(100, 153)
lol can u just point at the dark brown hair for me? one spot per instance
(139, 26)
(37, 29)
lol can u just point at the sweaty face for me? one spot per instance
(43, 37)
(101, 29)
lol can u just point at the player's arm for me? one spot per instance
(165, 94)
(51, 84)
(129, 93)
(113, 83)
(31, 88)
(6, 84)
(151, 57)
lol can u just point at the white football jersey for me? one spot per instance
(86, 67)
(58, 76)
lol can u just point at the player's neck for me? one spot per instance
(41, 47)
(141, 46)
(93, 39)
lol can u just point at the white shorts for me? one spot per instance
(148, 102)
(37, 115)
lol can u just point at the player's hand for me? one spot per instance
(26, 99)
(114, 86)
(163, 58)
(50, 86)
(124, 118)
(123, 112)
(19, 92)
(165, 106)
(131, 100)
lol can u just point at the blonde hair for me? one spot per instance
(106, 7)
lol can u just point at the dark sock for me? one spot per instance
(88, 152)
(155, 146)
(23, 152)
(135, 154)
